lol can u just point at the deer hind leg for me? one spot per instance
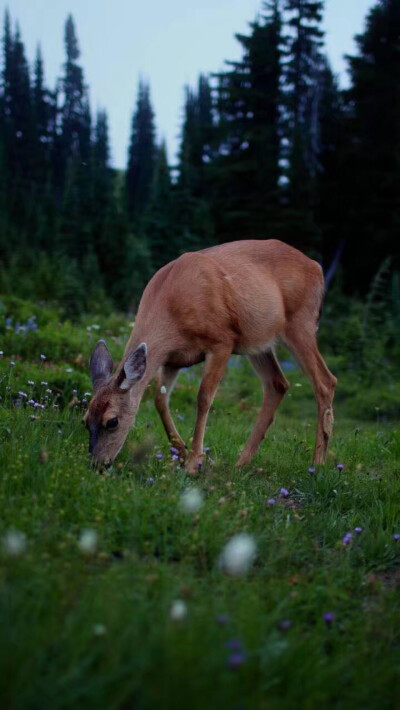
(214, 369)
(304, 348)
(166, 377)
(275, 386)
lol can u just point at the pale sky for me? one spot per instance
(168, 42)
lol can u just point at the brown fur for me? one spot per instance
(233, 298)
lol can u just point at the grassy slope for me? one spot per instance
(149, 553)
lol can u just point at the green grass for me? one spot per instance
(54, 654)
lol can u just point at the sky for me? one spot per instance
(168, 42)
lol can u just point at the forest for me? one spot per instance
(271, 146)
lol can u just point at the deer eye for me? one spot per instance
(112, 423)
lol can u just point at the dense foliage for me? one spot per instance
(271, 146)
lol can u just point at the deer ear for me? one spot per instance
(134, 367)
(101, 364)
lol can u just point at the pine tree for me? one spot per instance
(373, 160)
(142, 155)
(249, 132)
(159, 225)
(304, 63)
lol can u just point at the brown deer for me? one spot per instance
(233, 298)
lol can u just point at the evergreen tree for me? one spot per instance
(373, 161)
(141, 156)
(159, 223)
(304, 63)
(247, 167)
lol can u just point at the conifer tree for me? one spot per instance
(248, 103)
(373, 161)
(141, 156)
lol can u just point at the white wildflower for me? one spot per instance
(99, 630)
(14, 543)
(191, 500)
(178, 610)
(163, 389)
(238, 555)
(87, 542)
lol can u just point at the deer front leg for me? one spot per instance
(166, 379)
(214, 368)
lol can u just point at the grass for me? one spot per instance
(93, 630)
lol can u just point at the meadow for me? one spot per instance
(111, 590)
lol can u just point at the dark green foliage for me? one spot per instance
(141, 156)
(373, 158)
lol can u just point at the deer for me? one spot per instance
(235, 298)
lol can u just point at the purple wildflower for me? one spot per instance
(199, 464)
(271, 501)
(74, 391)
(206, 449)
(174, 450)
(396, 537)
(358, 530)
(329, 617)
(150, 480)
(311, 470)
(12, 363)
(222, 619)
(285, 624)
(159, 456)
(22, 394)
(236, 660)
(340, 466)
(234, 645)
(284, 493)
(175, 457)
(42, 357)
(148, 424)
(346, 540)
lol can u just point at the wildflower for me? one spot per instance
(12, 363)
(159, 456)
(31, 382)
(163, 389)
(311, 470)
(191, 500)
(87, 394)
(68, 369)
(178, 610)
(396, 537)
(222, 619)
(99, 630)
(150, 480)
(14, 543)
(44, 383)
(284, 493)
(74, 391)
(87, 542)
(174, 450)
(180, 417)
(175, 457)
(22, 394)
(329, 617)
(238, 555)
(42, 357)
(148, 424)
(285, 624)
(1, 353)
(49, 391)
(206, 449)
(84, 400)
(358, 530)
(340, 467)
(199, 464)
(32, 402)
(234, 645)
(346, 540)
(271, 501)
(236, 660)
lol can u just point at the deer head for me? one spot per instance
(115, 401)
